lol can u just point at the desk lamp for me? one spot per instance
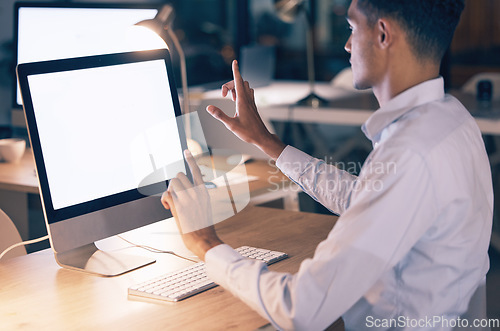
(161, 24)
(287, 11)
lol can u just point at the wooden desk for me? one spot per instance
(271, 184)
(19, 187)
(21, 176)
(37, 294)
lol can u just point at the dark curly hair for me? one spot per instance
(429, 24)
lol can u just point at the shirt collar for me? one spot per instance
(417, 95)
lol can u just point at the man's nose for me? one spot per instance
(347, 46)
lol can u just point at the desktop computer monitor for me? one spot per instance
(54, 30)
(107, 135)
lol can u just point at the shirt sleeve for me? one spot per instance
(384, 221)
(325, 183)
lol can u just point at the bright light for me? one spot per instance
(139, 38)
(131, 39)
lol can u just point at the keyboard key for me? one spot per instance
(192, 280)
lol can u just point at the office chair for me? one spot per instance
(9, 236)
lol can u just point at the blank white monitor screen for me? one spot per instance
(52, 31)
(107, 135)
(103, 130)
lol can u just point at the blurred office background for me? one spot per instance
(213, 32)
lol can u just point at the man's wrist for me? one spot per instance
(203, 246)
(272, 146)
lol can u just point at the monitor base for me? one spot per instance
(92, 260)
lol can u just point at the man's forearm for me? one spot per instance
(326, 183)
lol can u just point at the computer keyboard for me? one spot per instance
(191, 280)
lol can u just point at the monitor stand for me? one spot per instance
(92, 260)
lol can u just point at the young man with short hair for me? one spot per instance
(411, 241)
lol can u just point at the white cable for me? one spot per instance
(22, 244)
(156, 250)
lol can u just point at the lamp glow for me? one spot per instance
(141, 39)
(160, 24)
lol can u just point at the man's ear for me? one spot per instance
(384, 33)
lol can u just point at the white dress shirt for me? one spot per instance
(413, 233)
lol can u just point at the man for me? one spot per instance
(411, 241)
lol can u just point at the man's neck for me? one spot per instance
(402, 78)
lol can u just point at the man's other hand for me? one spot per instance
(190, 206)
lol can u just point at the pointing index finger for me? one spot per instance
(195, 170)
(238, 81)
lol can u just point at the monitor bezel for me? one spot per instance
(27, 69)
(70, 5)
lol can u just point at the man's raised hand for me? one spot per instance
(246, 123)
